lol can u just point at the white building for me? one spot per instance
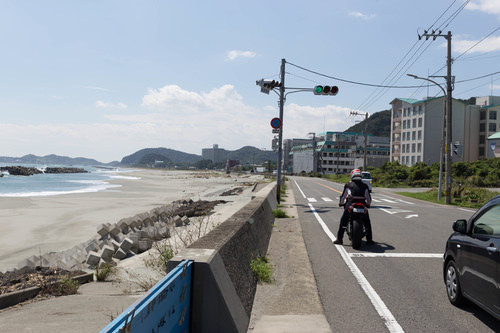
(417, 127)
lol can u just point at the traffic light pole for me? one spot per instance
(280, 137)
(268, 85)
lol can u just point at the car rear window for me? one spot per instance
(367, 175)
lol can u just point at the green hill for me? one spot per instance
(379, 124)
(165, 154)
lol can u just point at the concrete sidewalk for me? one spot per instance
(292, 303)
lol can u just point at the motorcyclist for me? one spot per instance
(355, 188)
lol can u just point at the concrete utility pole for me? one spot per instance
(366, 135)
(449, 88)
(280, 139)
(315, 160)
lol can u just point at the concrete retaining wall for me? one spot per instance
(223, 284)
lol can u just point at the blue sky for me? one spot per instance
(103, 79)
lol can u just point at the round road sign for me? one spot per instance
(276, 123)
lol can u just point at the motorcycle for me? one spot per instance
(356, 227)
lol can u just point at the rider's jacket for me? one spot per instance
(356, 188)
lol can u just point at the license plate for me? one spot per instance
(358, 210)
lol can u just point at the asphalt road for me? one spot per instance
(395, 285)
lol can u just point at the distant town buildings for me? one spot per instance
(339, 152)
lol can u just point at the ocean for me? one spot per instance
(97, 179)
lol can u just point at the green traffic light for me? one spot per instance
(319, 89)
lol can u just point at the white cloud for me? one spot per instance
(487, 6)
(96, 88)
(174, 118)
(235, 54)
(101, 104)
(490, 44)
(363, 16)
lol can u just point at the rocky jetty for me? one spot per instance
(20, 171)
(65, 170)
(30, 171)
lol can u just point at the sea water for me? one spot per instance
(45, 184)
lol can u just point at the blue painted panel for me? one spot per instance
(164, 308)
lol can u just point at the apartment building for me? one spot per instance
(489, 126)
(417, 130)
(339, 152)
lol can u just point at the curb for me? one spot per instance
(16, 297)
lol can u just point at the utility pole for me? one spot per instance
(280, 139)
(449, 88)
(366, 135)
(315, 160)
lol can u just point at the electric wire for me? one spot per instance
(369, 102)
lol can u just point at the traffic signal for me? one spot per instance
(457, 148)
(326, 90)
(268, 85)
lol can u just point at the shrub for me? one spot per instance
(262, 269)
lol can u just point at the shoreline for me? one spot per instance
(38, 225)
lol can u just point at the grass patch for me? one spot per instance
(279, 213)
(104, 272)
(481, 195)
(262, 269)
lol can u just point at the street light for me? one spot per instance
(442, 133)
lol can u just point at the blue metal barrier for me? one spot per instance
(164, 308)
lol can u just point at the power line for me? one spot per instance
(470, 48)
(349, 81)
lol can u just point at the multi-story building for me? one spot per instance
(489, 125)
(339, 152)
(288, 144)
(418, 125)
(215, 154)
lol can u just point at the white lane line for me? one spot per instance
(397, 255)
(380, 307)
(389, 201)
(312, 200)
(300, 190)
(327, 199)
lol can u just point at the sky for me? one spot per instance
(104, 79)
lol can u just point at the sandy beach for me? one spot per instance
(37, 225)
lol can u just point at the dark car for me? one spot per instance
(471, 267)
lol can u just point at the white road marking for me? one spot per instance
(394, 211)
(382, 310)
(387, 200)
(327, 199)
(410, 216)
(397, 255)
(312, 200)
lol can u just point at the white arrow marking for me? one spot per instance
(410, 216)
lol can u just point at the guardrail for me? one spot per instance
(165, 307)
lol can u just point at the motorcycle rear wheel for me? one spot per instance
(357, 233)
